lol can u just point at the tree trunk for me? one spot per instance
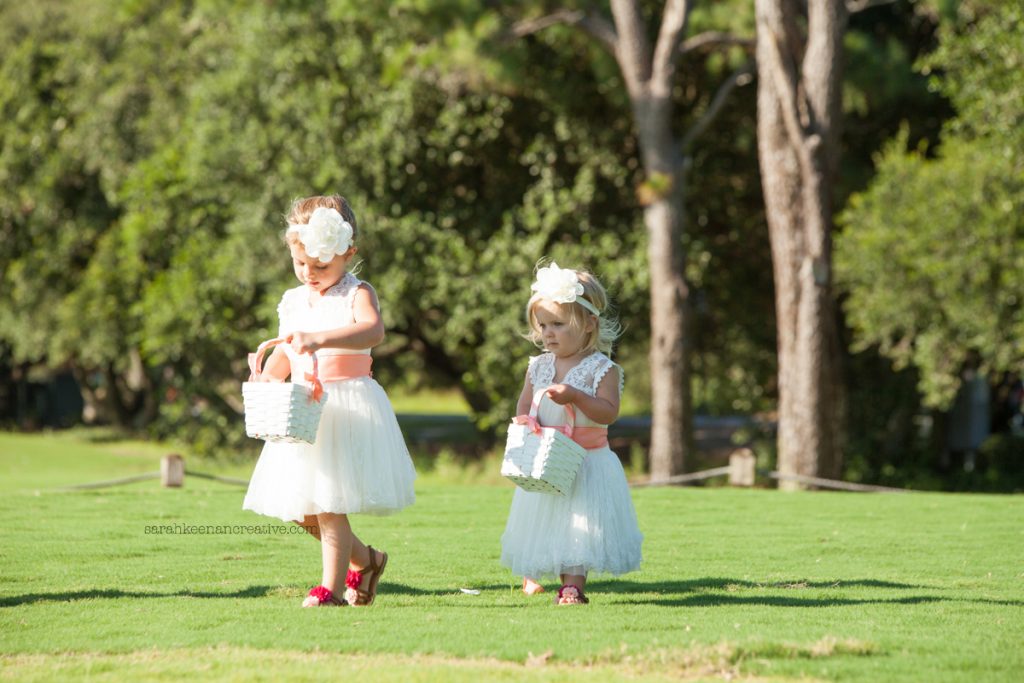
(649, 74)
(798, 128)
(671, 419)
(649, 77)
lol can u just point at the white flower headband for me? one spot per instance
(326, 235)
(561, 285)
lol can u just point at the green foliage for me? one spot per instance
(149, 150)
(191, 127)
(931, 253)
(173, 136)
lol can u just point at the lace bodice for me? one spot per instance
(585, 376)
(298, 312)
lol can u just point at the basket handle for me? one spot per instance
(256, 362)
(570, 413)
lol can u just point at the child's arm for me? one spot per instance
(278, 366)
(366, 332)
(602, 408)
(525, 397)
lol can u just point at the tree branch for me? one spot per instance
(714, 39)
(854, 6)
(633, 50)
(673, 25)
(786, 82)
(740, 77)
(592, 24)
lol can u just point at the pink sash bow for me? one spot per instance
(588, 437)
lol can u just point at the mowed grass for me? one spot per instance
(735, 585)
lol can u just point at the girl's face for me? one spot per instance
(556, 333)
(315, 274)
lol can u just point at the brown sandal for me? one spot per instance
(356, 596)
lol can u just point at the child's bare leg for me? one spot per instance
(360, 556)
(311, 525)
(531, 586)
(335, 549)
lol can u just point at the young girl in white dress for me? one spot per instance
(359, 461)
(594, 528)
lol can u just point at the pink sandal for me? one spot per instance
(571, 594)
(320, 596)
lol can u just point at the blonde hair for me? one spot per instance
(302, 210)
(605, 332)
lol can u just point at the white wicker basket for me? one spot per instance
(281, 411)
(542, 458)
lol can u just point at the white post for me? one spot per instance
(741, 467)
(172, 470)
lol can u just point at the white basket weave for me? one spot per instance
(542, 459)
(281, 411)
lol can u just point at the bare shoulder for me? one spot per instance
(366, 291)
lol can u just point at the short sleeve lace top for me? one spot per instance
(585, 376)
(303, 311)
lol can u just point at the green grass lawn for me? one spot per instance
(735, 584)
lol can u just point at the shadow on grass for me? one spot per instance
(110, 594)
(250, 592)
(402, 589)
(705, 592)
(717, 591)
(720, 583)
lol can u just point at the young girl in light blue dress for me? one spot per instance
(594, 528)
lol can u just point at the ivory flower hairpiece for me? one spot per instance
(326, 235)
(562, 286)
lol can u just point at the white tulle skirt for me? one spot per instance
(359, 462)
(593, 529)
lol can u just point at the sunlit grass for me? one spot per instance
(735, 584)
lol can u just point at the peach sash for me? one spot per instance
(340, 367)
(588, 437)
(333, 368)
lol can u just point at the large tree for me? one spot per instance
(649, 73)
(799, 62)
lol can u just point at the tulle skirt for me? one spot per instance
(593, 528)
(359, 462)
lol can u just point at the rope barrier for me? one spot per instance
(677, 479)
(683, 478)
(147, 476)
(810, 481)
(111, 482)
(834, 484)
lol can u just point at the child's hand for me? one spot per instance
(561, 393)
(303, 342)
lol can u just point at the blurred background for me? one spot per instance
(149, 151)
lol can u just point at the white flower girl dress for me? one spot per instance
(359, 461)
(594, 528)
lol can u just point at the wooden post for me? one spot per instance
(172, 470)
(741, 467)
